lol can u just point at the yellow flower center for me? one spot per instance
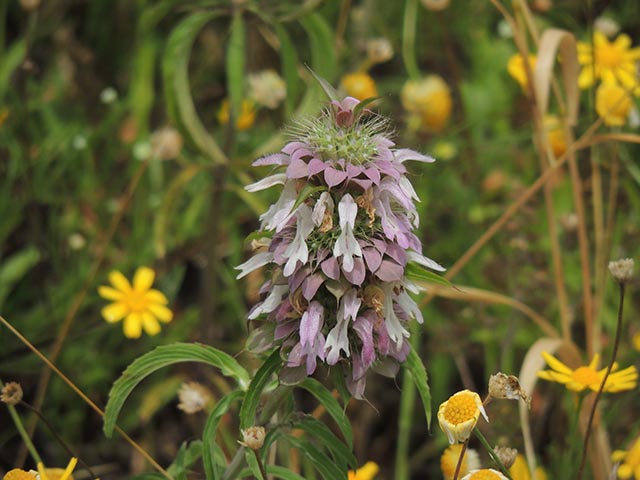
(585, 376)
(460, 409)
(137, 301)
(485, 474)
(609, 56)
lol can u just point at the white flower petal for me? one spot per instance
(267, 182)
(255, 262)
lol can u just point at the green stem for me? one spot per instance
(22, 431)
(405, 419)
(491, 453)
(409, 39)
(260, 465)
(616, 342)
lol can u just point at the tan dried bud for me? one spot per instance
(365, 201)
(507, 386)
(327, 222)
(253, 437)
(267, 88)
(30, 5)
(193, 397)
(506, 455)
(379, 50)
(11, 393)
(374, 298)
(299, 303)
(607, 26)
(166, 143)
(622, 270)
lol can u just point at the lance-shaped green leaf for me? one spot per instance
(331, 405)
(175, 68)
(162, 357)
(419, 374)
(188, 454)
(209, 434)
(417, 272)
(235, 64)
(258, 384)
(322, 463)
(325, 437)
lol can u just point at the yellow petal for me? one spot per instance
(585, 79)
(133, 325)
(163, 313)
(594, 362)
(114, 312)
(156, 296)
(17, 474)
(119, 281)
(110, 293)
(143, 279)
(623, 42)
(67, 472)
(556, 364)
(150, 324)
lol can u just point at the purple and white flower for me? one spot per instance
(337, 289)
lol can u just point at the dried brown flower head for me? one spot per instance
(506, 386)
(253, 437)
(11, 393)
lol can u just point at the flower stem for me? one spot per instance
(491, 453)
(463, 450)
(260, 465)
(22, 431)
(614, 354)
(409, 39)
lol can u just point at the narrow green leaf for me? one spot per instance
(325, 437)
(209, 434)
(419, 373)
(250, 457)
(236, 64)
(175, 69)
(259, 382)
(289, 63)
(331, 404)
(323, 464)
(331, 92)
(148, 476)
(417, 272)
(188, 454)
(306, 192)
(162, 357)
(9, 61)
(14, 268)
(323, 56)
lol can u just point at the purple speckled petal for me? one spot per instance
(297, 169)
(284, 329)
(390, 271)
(293, 146)
(404, 154)
(362, 182)
(274, 159)
(297, 278)
(364, 328)
(331, 268)
(316, 166)
(354, 170)
(373, 173)
(380, 245)
(357, 274)
(334, 177)
(373, 258)
(356, 387)
(385, 166)
(311, 323)
(311, 285)
(397, 253)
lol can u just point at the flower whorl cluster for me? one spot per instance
(339, 241)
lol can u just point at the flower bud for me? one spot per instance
(253, 437)
(507, 386)
(506, 455)
(11, 393)
(193, 397)
(622, 270)
(379, 50)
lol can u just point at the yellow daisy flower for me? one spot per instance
(611, 62)
(367, 472)
(43, 473)
(485, 474)
(429, 102)
(359, 85)
(247, 114)
(520, 470)
(630, 462)
(139, 305)
(449, 461)
(588, 377)
(613, 104)
(516, 68)
(459, 414)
